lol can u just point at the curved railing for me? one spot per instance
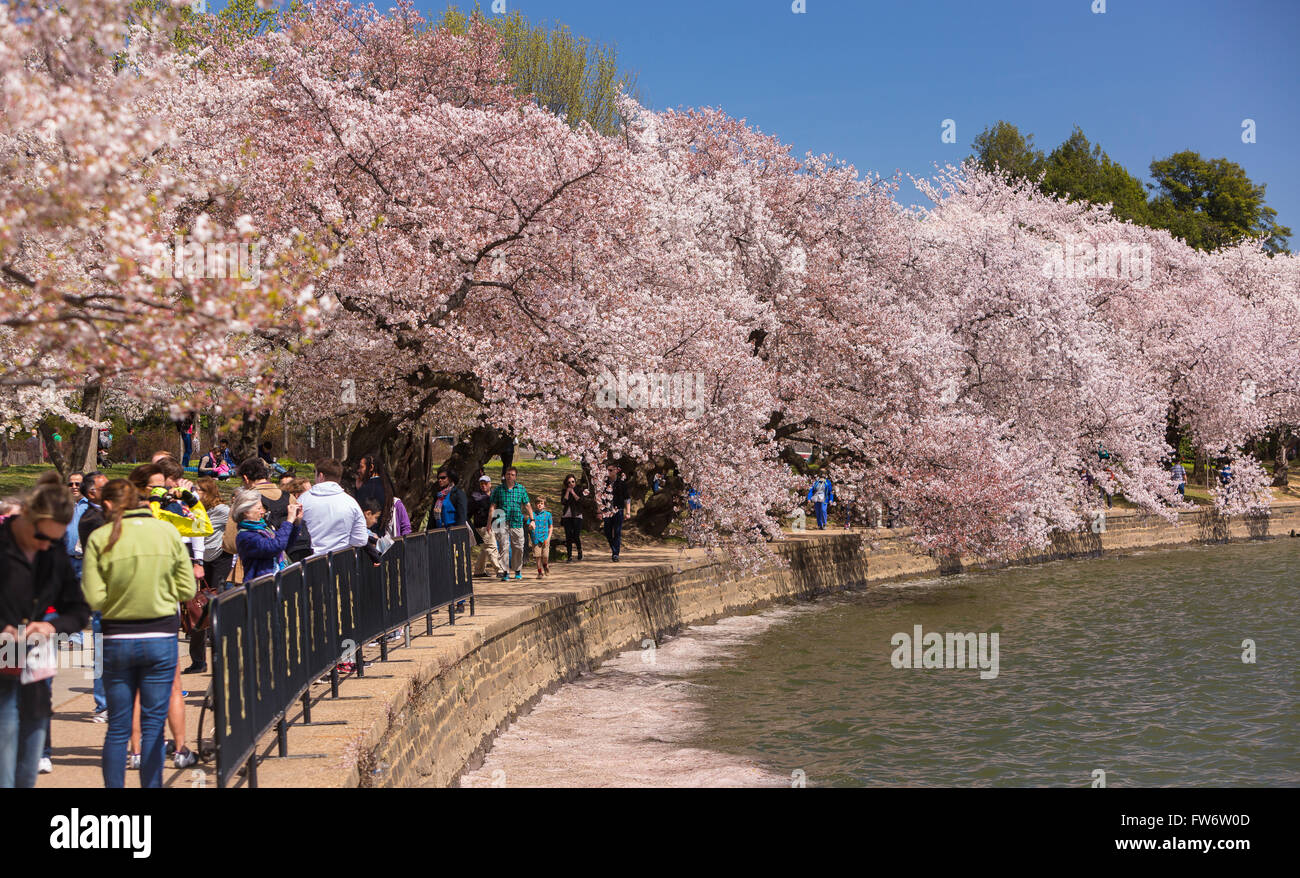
(276, 635)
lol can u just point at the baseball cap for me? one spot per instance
(484, 479)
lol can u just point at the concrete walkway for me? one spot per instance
(78, 742)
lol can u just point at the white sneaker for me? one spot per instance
(184, 758)
(100, 717)
(133, 761)
(46, 765)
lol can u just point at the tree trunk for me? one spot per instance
(403, 457)
(81, 447)
(243, 445)
(1280, 476)
(507, 451)
(1173, 430)
(660, 508)
(474, 449)
(57, 460)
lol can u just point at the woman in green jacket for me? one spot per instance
(136, 570)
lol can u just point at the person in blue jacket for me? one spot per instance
(821, 495)
(260, 546)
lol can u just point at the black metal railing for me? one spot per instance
(273, 637)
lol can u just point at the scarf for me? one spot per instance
(437, 507)
(263, 527)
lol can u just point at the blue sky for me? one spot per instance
(872, 81)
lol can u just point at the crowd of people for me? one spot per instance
(138, 559)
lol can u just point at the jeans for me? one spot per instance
(145, 665)
(101, 703)
(21, 738)
(614, 532)
(187, 448)
(819, 509)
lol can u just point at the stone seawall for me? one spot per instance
(450, 698)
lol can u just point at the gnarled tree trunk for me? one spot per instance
(1280, 476)
(660, 507)
(244, 442)
(83, 448)
(57, 459)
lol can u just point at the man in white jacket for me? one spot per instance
(333, 518)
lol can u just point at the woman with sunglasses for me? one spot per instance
(34, 574)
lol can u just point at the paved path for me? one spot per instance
(78, 742)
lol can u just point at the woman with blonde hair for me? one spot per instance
(136, 572)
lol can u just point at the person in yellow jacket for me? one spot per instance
(135, 572)
(171, 499)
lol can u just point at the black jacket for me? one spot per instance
(54, 584)
(91, 520)
(479, 503)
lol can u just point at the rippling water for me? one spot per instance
(1129, 665)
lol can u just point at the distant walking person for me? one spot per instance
(1179, 475)
(480, 501)
(616, 507)
(821, 495)
(185, 426)
(542, 537)
(512, 499)
(571, 515)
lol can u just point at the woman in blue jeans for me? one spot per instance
(136, 571)
(34, 576)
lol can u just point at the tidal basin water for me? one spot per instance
(1131, 666)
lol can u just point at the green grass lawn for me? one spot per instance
(542, 478)
(15, 479)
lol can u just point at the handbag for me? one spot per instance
(195, 613)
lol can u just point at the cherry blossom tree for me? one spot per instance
(93, 197)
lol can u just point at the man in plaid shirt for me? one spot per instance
(512, 498)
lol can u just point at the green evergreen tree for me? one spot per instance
(1211, 203)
